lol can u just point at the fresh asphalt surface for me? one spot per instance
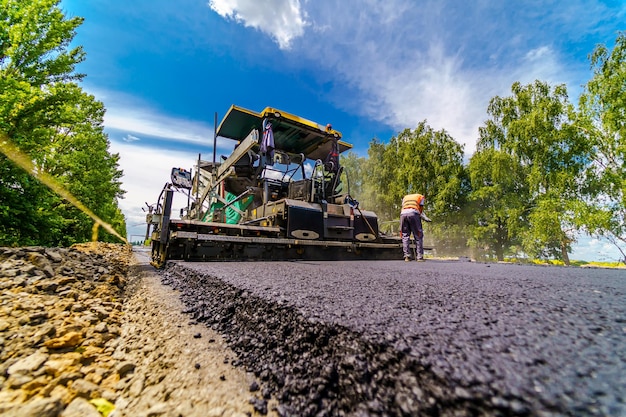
(498, 339)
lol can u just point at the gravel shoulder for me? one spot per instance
(90, 331)
(182, 368)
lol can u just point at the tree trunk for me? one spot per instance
(499, 252)
(564, 254)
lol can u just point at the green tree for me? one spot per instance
(353, 176)
(382, 168)
(602, 118)
(533, 126)
(422, 161)
(47, 116)
(77, 153)
(418, 161)
(499, 201)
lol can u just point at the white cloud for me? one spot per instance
(145, 121)
(433, 88)
(130, 138)
(130, 114)
(537, 53)
(282, 20)
(409, 67)
(136, 119)
(436, 86)
(594, 249)
(146, 171)
(402, 63)
(542, 63)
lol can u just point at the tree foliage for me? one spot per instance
(533, 126)
(602, 117)
(354, 174)
(422, 161)
(48, 116)
(543, 171)
(417, 161)
(499, 202)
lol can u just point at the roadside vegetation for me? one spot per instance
(545, 172)
(583, 264)
(46, 115)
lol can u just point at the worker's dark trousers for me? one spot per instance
(412, 223)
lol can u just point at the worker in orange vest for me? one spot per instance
(411, 218)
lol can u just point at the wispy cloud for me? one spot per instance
(429, 62)
(401, 62)
(146, 171)
(144, 121)
(130, 114)
(131, 120)
(130, 138)
(282, 20)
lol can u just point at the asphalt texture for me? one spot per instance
(441, 338)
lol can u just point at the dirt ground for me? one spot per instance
(90, 331)
(184, 368)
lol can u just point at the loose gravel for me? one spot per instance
(89, 331)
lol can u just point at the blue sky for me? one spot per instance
(370, 68)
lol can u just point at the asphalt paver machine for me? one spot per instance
(278, 196)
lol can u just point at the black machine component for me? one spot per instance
(181, 178)
(277, 196)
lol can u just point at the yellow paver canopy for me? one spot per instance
(292, 134)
